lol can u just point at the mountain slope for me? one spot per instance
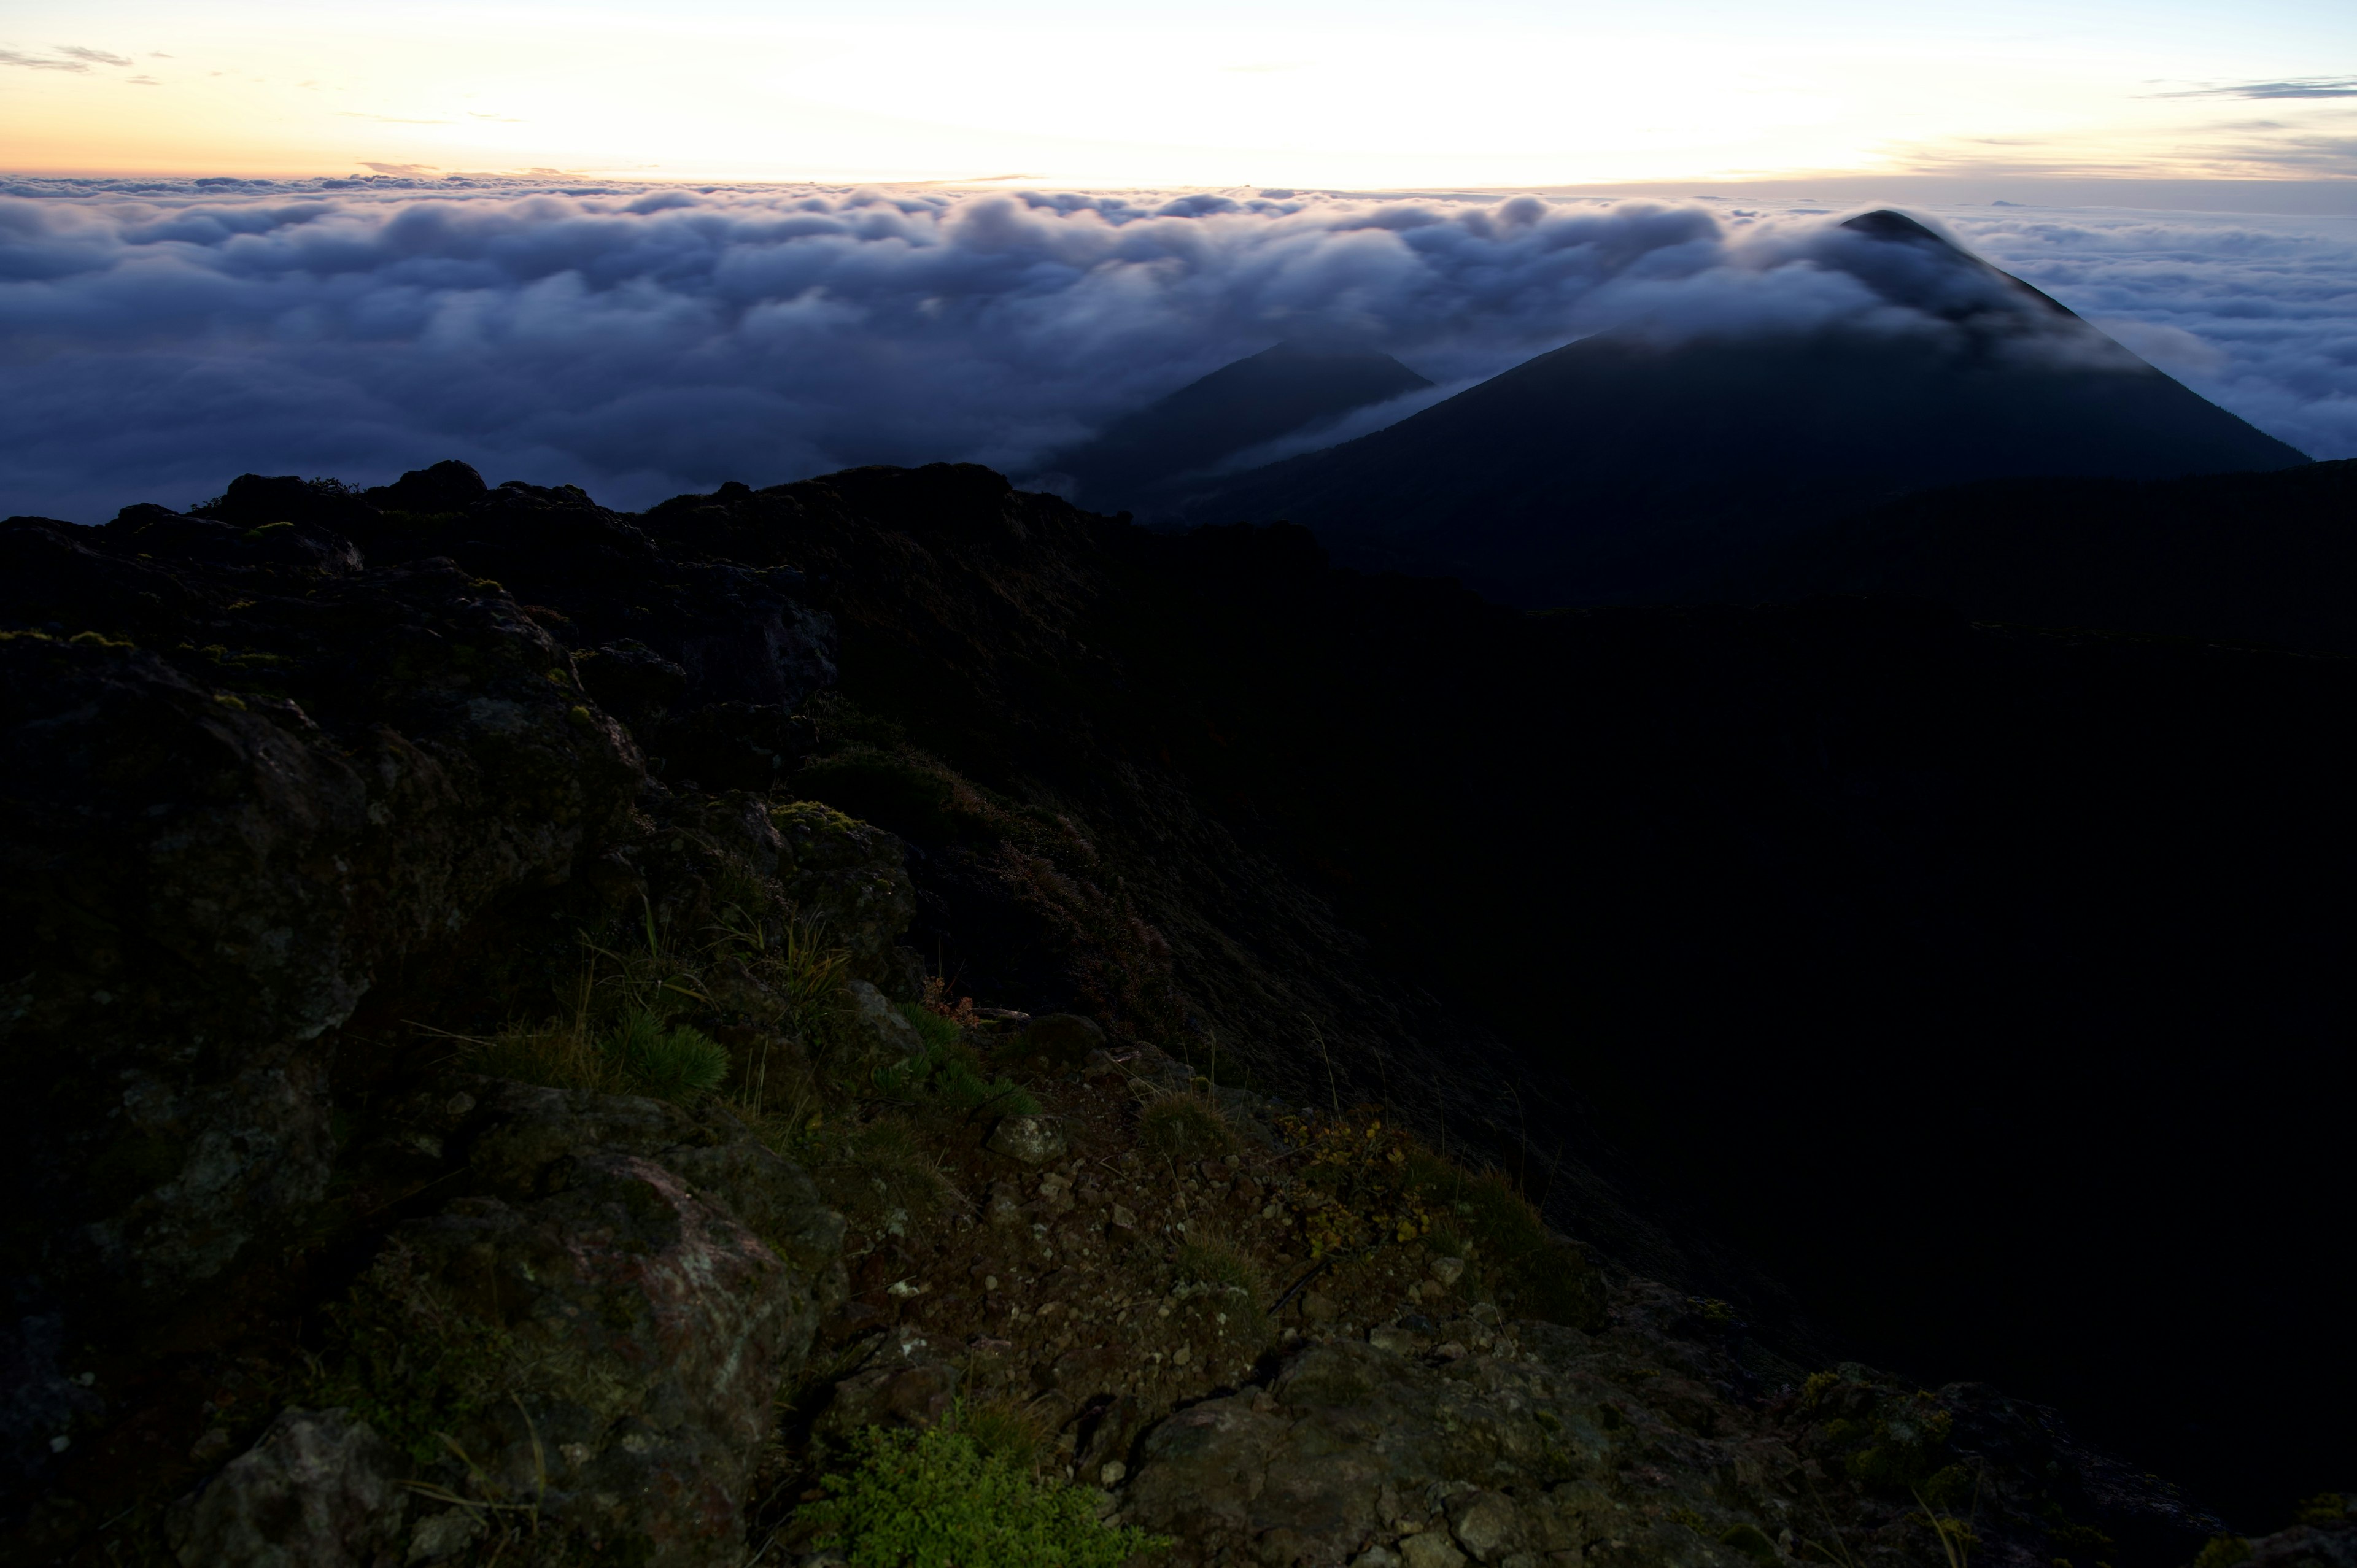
(1624, 467)
(2266, 558)
(1238, 406)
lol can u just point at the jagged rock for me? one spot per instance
(604, 1322)
(1430, 1549)
(1486, 1525)
(320, 1490)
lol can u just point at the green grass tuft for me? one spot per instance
(667, 1061)
(1212, 1260)
(935, 1499)
(950, 1078)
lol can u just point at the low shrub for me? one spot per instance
(559, 1055)
(940, 1031)
(950, 1078)
(935, 1499)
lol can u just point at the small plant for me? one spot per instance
(1184, 1127)
(2222, 1552)
(937, 1000)
(561, 1052)
(1214, 1260)
(941, 1031)
(935, 1499)
(949, 1076)
(667, 1061)
(1956, 1537)
(1359, 1195)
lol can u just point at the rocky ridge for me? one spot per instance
(306, 817)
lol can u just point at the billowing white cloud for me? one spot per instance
(161, 337)
(2256, 313)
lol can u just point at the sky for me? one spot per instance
(1369, 94)
(649, 249)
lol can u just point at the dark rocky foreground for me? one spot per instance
(312, 797)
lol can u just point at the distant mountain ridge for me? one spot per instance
(1624, 469)
(1291, 387)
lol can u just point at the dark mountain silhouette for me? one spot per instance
(2260, 558)
(1274, 393)
(1625, 468)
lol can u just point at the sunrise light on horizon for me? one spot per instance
(1485, 95)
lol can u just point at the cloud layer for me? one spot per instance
(161, 338)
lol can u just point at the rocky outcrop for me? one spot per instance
(236, 795)
(596, 1331)
(272, 766)
(1521, 1443)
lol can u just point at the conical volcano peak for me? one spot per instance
(1915, 266)
(1885, 224)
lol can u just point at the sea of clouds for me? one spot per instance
(158, 338)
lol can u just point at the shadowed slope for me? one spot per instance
(2267, 558)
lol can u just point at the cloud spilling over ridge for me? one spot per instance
(162, 336)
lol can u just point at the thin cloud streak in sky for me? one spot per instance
(645, 341)
(2308, 87)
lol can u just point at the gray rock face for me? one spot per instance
(317, 1491)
